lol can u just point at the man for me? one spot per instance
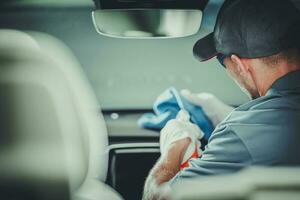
(257, 41)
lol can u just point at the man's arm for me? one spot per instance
(165, 169)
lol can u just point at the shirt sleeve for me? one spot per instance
(225, 153)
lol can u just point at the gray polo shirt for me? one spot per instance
(264, 131)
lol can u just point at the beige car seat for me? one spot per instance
(53, 133)
(256, 183)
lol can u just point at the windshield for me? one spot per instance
(124, 73)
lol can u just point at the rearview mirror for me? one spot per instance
(147, 23)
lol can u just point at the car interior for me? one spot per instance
(75, 77)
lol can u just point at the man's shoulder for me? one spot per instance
(267, 110)
(265, 125)
(273, 100)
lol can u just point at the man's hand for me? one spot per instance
(180, 128)
(177, 137)
(214, 108)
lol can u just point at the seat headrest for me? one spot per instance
(86, 103)
(41, 142)
(13, 39)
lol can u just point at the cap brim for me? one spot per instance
(205, 48)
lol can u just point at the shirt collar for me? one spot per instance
(290, 81)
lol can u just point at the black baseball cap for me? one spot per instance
(251, 29)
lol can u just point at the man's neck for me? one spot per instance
(272, 75)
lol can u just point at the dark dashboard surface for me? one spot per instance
(123, 128)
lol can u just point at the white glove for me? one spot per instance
(180, 128)
(214, 108)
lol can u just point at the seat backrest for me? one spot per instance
(51, 128)
(258, 183)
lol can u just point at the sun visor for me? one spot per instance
(150, 4)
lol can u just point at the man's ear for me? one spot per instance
(242, 64)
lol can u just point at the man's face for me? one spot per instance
(243, 79)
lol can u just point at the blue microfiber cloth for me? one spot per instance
(166, 107)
